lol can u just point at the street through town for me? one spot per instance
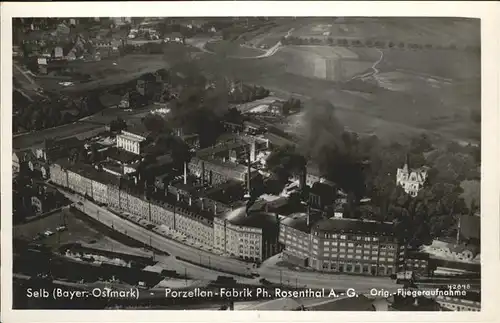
(271, 273)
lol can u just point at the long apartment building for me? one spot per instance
(342, 245)
(252, 236)
(105, 188)
(248, 235)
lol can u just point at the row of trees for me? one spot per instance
(367, 167)
(245, 93)
(292, 40)
(52, 112)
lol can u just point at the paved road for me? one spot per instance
(200, 44)
(318, 280)
(157, 241)
(271, 273)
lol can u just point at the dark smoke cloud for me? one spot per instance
(322, 134)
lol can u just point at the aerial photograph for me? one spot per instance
(246, 163)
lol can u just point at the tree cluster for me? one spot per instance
(364, 166)
(434, 211)
(247, 93)
(117, 125)
(284, 162)
(292, 105)
(197, 113)
(52, 112)
(293, 40)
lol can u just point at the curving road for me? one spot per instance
(217, 262)
(201, 44)
(157, 241)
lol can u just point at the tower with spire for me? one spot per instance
(411, 179)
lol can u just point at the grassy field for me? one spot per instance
(418, 30)
(273, 35)
(105, 72)
(232, 49)
(411, 92)
(437, 92)
(311, 61)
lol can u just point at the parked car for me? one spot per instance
(48, 233)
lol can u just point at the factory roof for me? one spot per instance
(112, 166)
(89, 172)
(189, 187)
(226, 146)
(231, 170)
(323, 190)
(297, 221)
(254, 219)
(121, 155)
(138, 129)
(226, 193)
(345, 225)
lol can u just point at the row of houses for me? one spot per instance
(105, 188)
(247, 236)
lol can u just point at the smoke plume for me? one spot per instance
(322, 134)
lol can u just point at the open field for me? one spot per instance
(421, 91)
(419, 30)
(232, 49)
(395, 93)
(105, 73)
(273, 34)
(325, 62)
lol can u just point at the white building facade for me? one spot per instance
(130, 142)
(411, 180)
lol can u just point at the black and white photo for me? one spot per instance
(247, 163)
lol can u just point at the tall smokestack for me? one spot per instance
(302, 177)
(203, 173)
(458, 229)
(185, 173)
(249, 169)
(252, 151)
(190, 201)
(308, 215)
(215, 208)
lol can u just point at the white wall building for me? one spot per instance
(130, 142)
(237, 240)
(411, 180)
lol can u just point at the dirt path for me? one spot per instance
(374, 72)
